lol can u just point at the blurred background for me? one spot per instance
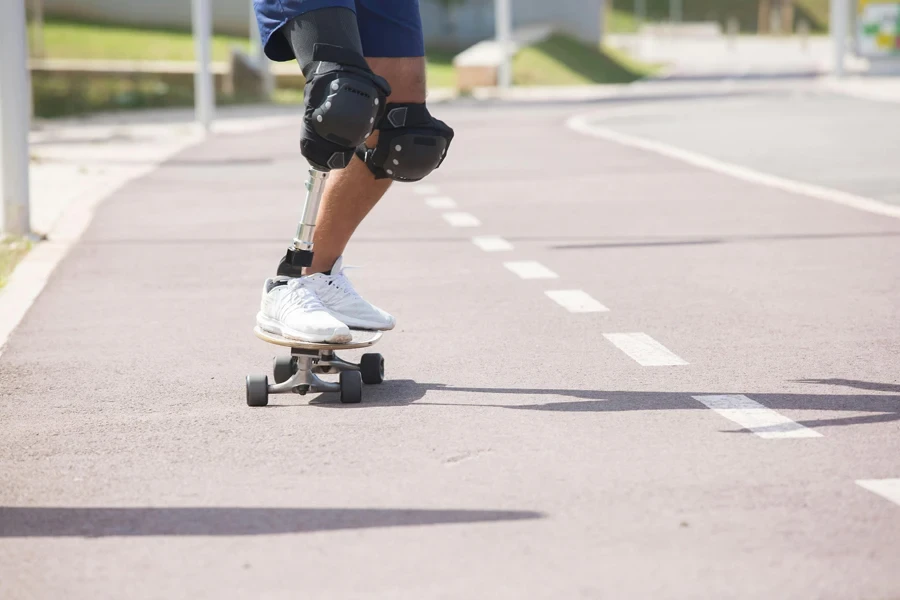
(99, 55)
(90, 60)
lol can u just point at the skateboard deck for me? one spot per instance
(359, 339)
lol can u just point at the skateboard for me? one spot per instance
(299, 372)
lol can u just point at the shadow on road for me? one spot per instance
(861, 385)
(405, 392)
(735, 239)
(23, 521)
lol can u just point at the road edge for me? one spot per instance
(582, 124)
(30, 276)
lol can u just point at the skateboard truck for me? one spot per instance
(299, 372)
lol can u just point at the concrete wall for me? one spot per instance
(474, 21)
(462, 27)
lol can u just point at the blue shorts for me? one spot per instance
(387, 28)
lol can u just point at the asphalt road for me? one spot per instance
(801, 134)
(702, 437)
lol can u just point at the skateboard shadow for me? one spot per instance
(884, 408)
(20, 521)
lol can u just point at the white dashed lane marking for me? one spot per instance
(461, 219)
(441, 202)
(886, 488)
(426, 190)
(492, 243)
(644, 349)
(530, 269)
(576, 301)
(749, 414)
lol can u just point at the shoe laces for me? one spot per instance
(340, 284)
(301, 297)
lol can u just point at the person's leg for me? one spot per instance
(343, 99)
(399, 141)
(352, 192)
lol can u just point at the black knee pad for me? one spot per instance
(411, 144)
(344, 102)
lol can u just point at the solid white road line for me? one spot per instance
(576, 301)
(886, 488)
(492, 243)
(425, 189)
(461, 219)
(583, 124)
(441, 202)
(749, 414)
(644, 349)
(530, 269)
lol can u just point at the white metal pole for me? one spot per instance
(840, 22)
(204, 97)
(15, 118)
(503, 33)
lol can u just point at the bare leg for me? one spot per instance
(352, 192)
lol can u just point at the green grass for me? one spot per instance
(621, 19)
(73, 39)
(97, 41)
(56, 95)
(817, 13)
(561, 60)
(558, 60)
(12, 249)
(439, 66)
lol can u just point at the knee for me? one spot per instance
(344, 102)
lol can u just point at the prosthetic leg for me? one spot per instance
(299, 372)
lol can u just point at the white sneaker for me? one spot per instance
(344, 303)
(291, 308)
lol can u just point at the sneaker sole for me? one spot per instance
(359, 324)
(274, 327)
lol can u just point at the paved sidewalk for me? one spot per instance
(77, 163)
(94, 155)
(716, 56)
(883, 89)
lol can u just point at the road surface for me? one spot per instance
(615, 375)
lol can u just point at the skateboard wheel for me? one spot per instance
(284, 368)
(351, 387)
(371, 367)
(257, 390)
